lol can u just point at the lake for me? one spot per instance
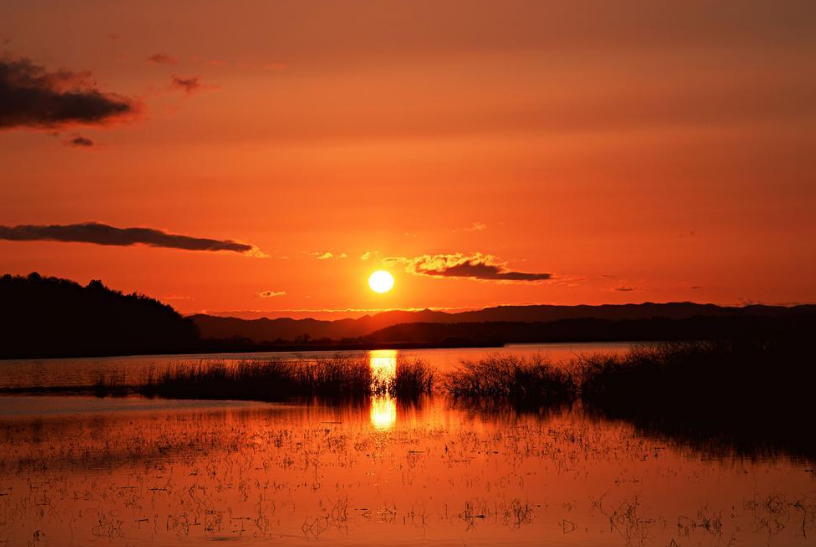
(135, 471)
(84, 371)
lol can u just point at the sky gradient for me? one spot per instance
(273, 154)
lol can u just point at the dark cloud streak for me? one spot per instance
(162, 59)
(475, 266)
(102, 234)
(190, 85)
(31, 96)
(78, 141)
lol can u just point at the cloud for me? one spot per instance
(328, 255)
(162, 59)
(78, 141)
(190, 85)
(102, 234)
(271, 294)
(477, 227)
(625, 289)
(474, 266)
(30, 96)
(366, 255)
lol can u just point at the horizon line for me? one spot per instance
(369, 311)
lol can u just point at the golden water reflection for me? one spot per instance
(383, 363)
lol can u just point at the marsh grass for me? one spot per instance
(509, 379)
(110, 386)
(750, 395)
(725, 378)
(413, 378)
(336, 377)
(729, 377)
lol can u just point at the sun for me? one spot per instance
(381, 281)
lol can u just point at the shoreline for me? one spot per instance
(285, 348)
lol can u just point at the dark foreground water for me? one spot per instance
(132, 471)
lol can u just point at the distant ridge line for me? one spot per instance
(284, 328)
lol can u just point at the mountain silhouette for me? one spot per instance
(52, 317)
(268, 330)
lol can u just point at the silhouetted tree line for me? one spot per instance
(50, 317)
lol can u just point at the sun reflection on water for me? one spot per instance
(383, 364)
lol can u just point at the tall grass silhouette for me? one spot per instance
(336, 377)
(519, 381)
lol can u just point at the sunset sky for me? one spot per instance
(483, 152)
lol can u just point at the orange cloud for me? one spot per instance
(271, 294)
(474, 266)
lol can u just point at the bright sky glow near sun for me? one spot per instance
(485, 153)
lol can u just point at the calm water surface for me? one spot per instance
(132, 471)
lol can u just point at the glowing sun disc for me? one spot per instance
(381, 281)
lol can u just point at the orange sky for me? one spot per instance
(636, 151)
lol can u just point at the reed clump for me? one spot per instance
(520, 381)
(413, 378)
(749, 395)
(723, 376)
(335, 377)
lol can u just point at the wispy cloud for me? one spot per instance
(102, 234)
(78, 141)
(162, 59)
(328, 255)
(271, 294)
(477, 227)
(473, 266)
(31, 96)
(190, 85)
